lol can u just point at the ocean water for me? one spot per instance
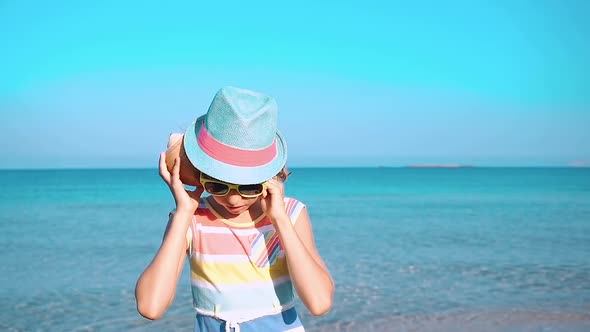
(468, 249)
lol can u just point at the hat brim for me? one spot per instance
(227, 172)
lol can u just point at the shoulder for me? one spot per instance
(293, 208)
(292, 200)
(291, 203)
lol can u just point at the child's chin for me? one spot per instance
(236, 210)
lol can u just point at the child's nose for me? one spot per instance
(233, 197)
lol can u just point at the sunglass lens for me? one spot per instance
(216, 188)
(250, 189)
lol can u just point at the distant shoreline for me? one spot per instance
(438, 166)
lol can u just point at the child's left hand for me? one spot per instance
(272, 201)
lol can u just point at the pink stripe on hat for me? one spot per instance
(230, 155)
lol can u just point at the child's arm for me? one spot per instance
(310, 276)
(156, 287)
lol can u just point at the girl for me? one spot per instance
(248, 245)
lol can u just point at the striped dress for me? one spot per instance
(239, 275)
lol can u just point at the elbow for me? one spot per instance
(150, 303)
(149, 307)
(322, 304)
(149, 311)
(320, 308)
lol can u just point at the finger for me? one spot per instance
(274, 186)
(164, 174)
(176, 169)
(276, 191)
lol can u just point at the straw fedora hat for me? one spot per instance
(189, 175)
(236, 141)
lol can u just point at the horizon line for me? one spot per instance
(417, 166)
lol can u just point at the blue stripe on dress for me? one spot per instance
(281, 322)
(248, 297)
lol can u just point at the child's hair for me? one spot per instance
(283, 174)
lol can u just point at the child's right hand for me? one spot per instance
(186, 200)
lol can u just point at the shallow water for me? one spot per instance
(485, 249)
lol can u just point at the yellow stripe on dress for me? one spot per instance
(237, 273)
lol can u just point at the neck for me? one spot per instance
(253, 213)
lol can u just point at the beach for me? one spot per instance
(410, 249)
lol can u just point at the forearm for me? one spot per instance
(156, 286)
(310, 278)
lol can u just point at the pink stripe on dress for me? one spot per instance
(270, 247)
(290, 206)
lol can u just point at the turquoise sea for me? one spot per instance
(466, 249)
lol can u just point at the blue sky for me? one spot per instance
(358, 83)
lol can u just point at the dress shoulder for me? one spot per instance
(293, 208)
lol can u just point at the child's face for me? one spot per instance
(235, 199)
(221, 188)
(234, 203)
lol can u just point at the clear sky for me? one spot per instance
(358, 83)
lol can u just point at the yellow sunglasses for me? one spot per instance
(220, 188)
